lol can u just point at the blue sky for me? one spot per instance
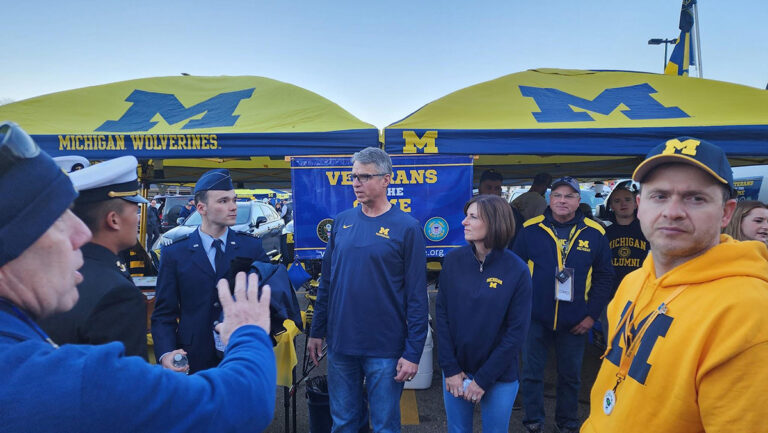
(379, 60)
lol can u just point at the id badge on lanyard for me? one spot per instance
(564, 284)
(564, 276)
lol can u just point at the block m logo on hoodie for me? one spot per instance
(658, 329)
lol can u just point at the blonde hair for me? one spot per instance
(733, 228)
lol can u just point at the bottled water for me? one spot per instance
(180, 361)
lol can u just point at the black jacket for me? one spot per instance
(153, 217)
(110, 307)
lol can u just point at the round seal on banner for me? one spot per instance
(436, 229)
(324, 229)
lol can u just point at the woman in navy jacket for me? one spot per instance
(483, 311)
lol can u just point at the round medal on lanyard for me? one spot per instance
(609, 401)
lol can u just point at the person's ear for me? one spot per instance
(112, 220)
(728, 209)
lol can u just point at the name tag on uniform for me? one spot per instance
(564, 284)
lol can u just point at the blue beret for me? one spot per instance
(35, 192)
(217, 179)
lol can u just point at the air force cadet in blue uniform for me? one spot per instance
(110, 308)
(186, 305)
(83, 388)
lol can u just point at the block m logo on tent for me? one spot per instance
(146, 105)
(555, 105)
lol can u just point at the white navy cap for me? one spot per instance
(115, 178)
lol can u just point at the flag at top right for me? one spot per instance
(682, 55)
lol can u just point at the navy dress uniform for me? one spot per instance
(186, 303)
(110, 307)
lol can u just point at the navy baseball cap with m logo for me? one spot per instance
(688, 150)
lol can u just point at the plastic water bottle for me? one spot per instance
(180, 361)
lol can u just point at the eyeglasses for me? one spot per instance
(363, 178)
(15, 145)
(558, 196)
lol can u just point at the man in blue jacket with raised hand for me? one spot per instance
(186, 305)
(371, 302)
(570, 263)
(82, 388)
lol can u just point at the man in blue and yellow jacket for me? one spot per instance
(570, 263)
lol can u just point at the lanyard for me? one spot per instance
(562, 252)
(631, 344)
(31, 323)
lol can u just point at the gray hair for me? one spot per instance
(376, 156)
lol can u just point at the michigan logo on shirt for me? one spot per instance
(493, 282)
(383, 232)
(583, 246)
(657, 330)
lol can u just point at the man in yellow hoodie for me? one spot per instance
(688, 337)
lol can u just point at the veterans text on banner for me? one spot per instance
(432, 188)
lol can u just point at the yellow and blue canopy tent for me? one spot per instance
(182, 126)
(186, 124)
(584, 123)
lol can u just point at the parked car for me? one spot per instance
(257, 218)
(170, 206)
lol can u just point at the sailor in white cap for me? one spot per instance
(110, 307)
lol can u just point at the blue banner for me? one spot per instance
(431, 188)
(747, 188)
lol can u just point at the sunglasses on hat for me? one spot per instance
(15, 145)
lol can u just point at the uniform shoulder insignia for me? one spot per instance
(250, 235)
(178, 240)
(594, 224)
(534, 220)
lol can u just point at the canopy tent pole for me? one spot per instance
(142, 170)
(698, 39)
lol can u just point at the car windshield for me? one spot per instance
(243, 215)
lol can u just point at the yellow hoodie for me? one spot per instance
(702, 366)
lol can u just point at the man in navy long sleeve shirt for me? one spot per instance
(372, 301)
